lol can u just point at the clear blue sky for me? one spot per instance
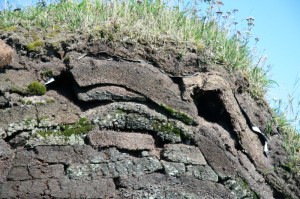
(277, 24)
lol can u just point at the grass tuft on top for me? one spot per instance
(286, 116)
(211, 32)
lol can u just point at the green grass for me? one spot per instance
(291, 138)
(289, 131)
(151, 23)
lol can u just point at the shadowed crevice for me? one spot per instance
(211, 107)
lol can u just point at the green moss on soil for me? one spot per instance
(35, 45)
(36, 88)
(185, 118)
(82, 126)
(47, 73)
(10, 29)
(168, 127)
(45, 134)
(67, 60)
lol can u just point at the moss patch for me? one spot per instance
(168, 127)
(10, 29)
(34, 46)
(82, 126)
(185, 118)
(47, 73)
(36, 88)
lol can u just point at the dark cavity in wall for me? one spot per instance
(211, 107)
(4, 103)
(63, 85)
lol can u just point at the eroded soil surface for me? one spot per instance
(126, 120)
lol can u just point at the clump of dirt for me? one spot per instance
(6, 54)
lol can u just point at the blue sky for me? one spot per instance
(277, 24)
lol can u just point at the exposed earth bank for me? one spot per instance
(131, 120)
